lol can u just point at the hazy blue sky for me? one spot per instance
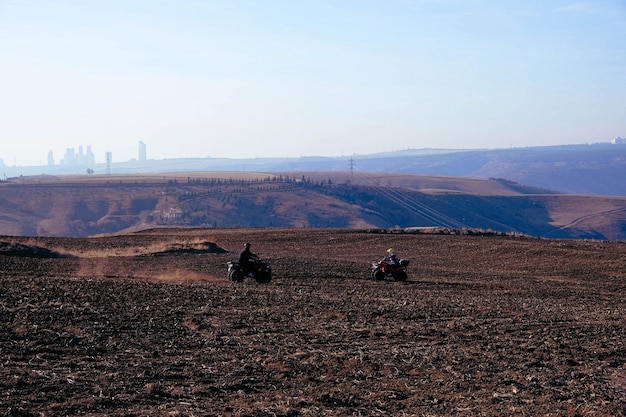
(257, 78)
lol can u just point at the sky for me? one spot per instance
(283, 78)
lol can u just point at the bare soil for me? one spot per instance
(147, 324)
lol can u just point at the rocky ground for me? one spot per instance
(148, 325)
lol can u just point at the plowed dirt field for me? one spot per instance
(147, 324)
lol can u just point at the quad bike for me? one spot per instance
(383, 269)
(261, 272)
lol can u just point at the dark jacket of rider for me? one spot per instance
(247, 258)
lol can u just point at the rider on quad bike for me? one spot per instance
(390, 266)
(247, 259)
(392, 258)
(251, 266)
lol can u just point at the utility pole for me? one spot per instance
(351, 164)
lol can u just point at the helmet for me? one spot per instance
(390, 251)
(246, 245)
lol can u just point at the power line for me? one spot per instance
(411, 204)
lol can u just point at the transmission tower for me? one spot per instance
(351, 164)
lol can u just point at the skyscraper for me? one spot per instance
(69, 158)
(109, 159)
(90, 158)
(142, 151)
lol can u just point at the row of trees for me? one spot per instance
(242, 181)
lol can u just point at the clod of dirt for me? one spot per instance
(27, 251)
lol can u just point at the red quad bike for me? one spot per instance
(384, 269)
(261, 272)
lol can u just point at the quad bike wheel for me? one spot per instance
(378, 275)
(400, 276)
(263, 277)
(236, 275)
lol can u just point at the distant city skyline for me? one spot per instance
(88, 158)
(276, 78)
(85, 156)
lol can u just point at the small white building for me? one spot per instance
(618, 141)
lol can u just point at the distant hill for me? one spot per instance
(96, 204)
(573, 169)
(579, 169)
(595, 169)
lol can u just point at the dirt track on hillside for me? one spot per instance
(485, 326)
